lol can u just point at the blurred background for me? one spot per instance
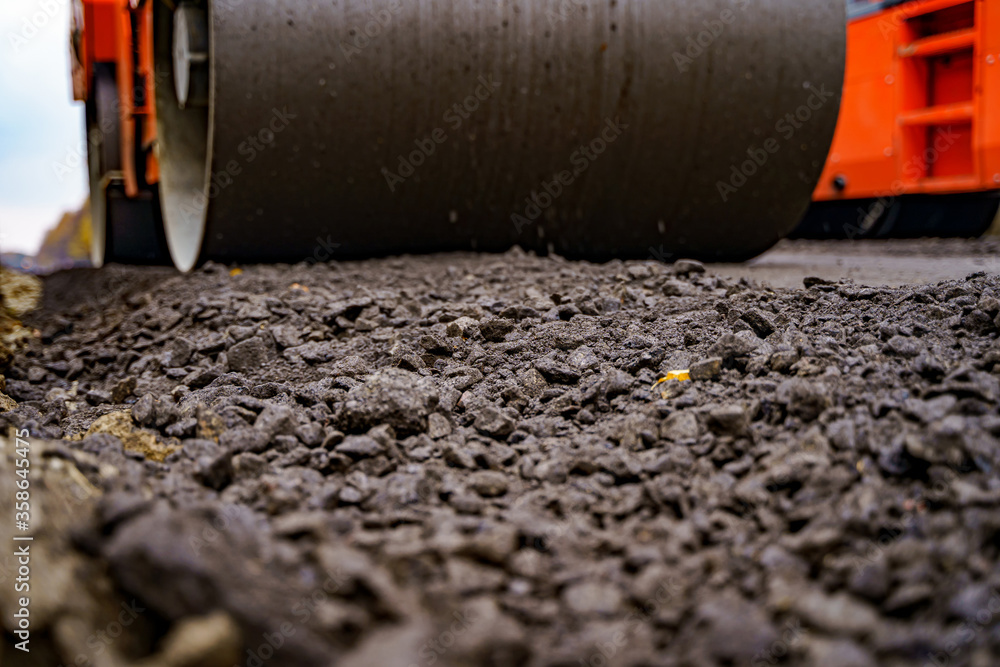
(42, 151)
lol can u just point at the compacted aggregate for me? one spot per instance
(469, 460)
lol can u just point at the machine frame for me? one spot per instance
(915, 140)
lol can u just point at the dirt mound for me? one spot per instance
(19, 294)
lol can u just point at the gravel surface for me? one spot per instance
(467, 460)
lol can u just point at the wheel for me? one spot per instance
(964, 215)
(134, 227)
(126, 230)
(851, 219)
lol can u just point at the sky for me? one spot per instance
(42, 149)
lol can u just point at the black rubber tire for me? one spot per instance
(851, 219)
(963, 215)
(960, 215)
(134, 228)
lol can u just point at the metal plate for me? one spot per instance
(312, 102)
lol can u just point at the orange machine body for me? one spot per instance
(119, 33)
(921, 79)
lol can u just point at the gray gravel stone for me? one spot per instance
(494, 422)
(706, 369)
(247, 356)
(392, 396)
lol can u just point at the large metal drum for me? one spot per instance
(591, 128)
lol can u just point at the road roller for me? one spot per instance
(917, 146)
(262, 130)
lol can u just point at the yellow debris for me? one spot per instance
(860, 466)
(235, 272)
(297, 286)
(680, 376)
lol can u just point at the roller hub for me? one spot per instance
(190, 51)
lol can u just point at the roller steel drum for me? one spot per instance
(595, 129)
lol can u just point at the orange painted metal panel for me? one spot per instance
(108, 37)
(124, 68)
(988, 108)
(862, 149)
(938, 44)
(147, 71)
(922, 79)
(938, 115)
(99, 23)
